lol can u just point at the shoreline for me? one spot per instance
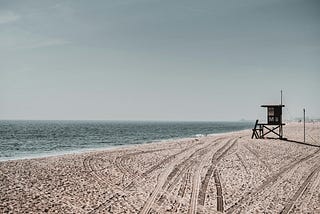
(89, 150)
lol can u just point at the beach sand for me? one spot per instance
(229, 173)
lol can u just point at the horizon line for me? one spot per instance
(129, 120)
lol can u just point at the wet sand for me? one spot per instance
(228, 173)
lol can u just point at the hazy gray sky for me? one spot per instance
(158, 59)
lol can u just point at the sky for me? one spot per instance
(206, 60)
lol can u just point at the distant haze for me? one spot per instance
(158, 59)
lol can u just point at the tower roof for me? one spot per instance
(272, 105)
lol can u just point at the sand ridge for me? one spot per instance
(228, 173)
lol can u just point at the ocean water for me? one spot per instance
(27, 139)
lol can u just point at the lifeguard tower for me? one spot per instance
(273, 125)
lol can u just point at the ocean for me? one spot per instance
(29, 139)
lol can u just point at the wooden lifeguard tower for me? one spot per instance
(273, 125)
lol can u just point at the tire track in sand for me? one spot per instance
(197, 159)
(121, 163)
(219, 191)
(287, 208)
(269, 181)
(163, 162)
(96, 173)
(214, 161)
(255, 154)
(121, 160)
(92, 170)
(168, 174)
(199, 187)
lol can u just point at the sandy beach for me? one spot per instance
(229, 173)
